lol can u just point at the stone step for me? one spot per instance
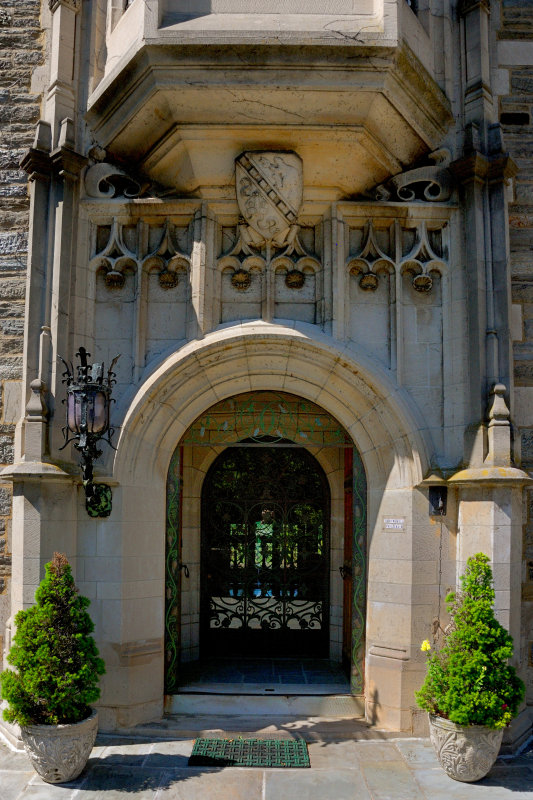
(311, 728)
(262, 704)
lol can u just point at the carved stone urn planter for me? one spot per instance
(465, 753)
(59, 753)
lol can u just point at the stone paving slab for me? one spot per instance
(401, 769)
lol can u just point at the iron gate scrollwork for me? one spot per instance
(265, 554)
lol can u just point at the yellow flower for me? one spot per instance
(425, 646)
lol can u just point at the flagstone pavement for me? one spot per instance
(156, 769)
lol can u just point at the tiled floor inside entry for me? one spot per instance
(316, 676)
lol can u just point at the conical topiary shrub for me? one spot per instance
(55, 657)
(469, 681)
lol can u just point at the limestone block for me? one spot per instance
(11, 402)
(108, 540)
(511, 53)
(103, 570)
(108, 590)
(110, 628)
(145, 567)
(142, 617)
(388, 622)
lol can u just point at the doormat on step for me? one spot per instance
(249, 753)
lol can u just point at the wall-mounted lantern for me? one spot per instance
(437, 494)
(88, 404)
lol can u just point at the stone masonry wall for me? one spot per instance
(20, 52)
(515, 45)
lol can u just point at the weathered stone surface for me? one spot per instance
(10, 368)
(522, 292)
(527, 445)
(12, 327)
(5, 501)
(6, 450)
(12, 288)
(21, 50)
(523, 373)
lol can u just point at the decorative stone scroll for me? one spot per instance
(432, 183)
(269, 188)
(104, 180)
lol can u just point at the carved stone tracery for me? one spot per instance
(167, 259)
(370, 261)
(115, 259)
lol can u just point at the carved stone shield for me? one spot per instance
(269, 192)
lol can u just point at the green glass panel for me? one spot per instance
(172, 574)
(260, 416)
(359, 562)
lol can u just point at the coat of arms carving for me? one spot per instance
(269, 193)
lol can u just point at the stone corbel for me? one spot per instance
(36, 160)
(67, 162)
(41, 162)
(433, 182)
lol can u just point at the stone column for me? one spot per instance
(490, 511)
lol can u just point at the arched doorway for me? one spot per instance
(318, 447)
(265, 554)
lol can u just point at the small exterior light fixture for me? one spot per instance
(437, 494)
(88, 403)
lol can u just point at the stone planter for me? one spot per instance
(465, 753)
(59, 752)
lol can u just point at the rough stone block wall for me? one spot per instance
(516, 116)
(20, 52)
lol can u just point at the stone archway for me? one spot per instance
(263, 422)
(378, 417)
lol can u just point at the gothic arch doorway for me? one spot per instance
(265, 554)
(221, 451)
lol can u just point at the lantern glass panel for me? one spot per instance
(73, 412)
(97, 412)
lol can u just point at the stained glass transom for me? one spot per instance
(261, 417)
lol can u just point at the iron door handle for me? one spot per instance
(345, 571)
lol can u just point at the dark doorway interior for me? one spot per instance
(265, 555)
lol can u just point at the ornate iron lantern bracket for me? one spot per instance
(88, 404)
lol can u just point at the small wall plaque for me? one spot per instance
(394, 523)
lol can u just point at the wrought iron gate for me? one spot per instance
(265, 554)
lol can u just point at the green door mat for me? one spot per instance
(249, 753)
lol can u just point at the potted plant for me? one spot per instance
(55, 677)
(470, 691)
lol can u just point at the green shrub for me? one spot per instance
(469, 680)
(55, 657)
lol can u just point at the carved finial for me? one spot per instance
(498, 411)
(36, 409)
(499, 432)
